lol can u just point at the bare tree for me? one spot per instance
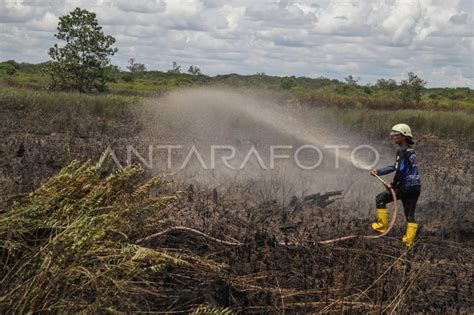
(194, 70)
(135, 67)
(175, 68)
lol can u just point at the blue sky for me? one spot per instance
(367, 39)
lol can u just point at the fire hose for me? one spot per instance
(390, 226)
(238, 243)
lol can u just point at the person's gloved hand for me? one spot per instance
(373, 171)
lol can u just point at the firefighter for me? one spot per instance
(406, 183)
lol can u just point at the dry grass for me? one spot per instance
(70, 247)
(74, 245)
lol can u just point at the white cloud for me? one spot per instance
(370, 39)
(141, 6)
(184, 8)
(438, 75)
(46, 23)
(15, 12)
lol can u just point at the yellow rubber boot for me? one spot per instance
(382, 223)
(409, 238)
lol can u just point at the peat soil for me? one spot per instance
(356, 276)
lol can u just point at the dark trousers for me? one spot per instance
(408, 196)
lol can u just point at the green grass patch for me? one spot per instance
(379, 101)
(376, 123)
(102, 105)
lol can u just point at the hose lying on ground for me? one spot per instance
(237, 243)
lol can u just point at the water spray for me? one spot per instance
(238, 243)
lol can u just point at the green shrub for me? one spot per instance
(10, 70)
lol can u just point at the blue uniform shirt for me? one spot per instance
(405, 168)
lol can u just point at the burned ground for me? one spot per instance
(262, 275)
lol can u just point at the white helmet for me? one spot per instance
(404, 129)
